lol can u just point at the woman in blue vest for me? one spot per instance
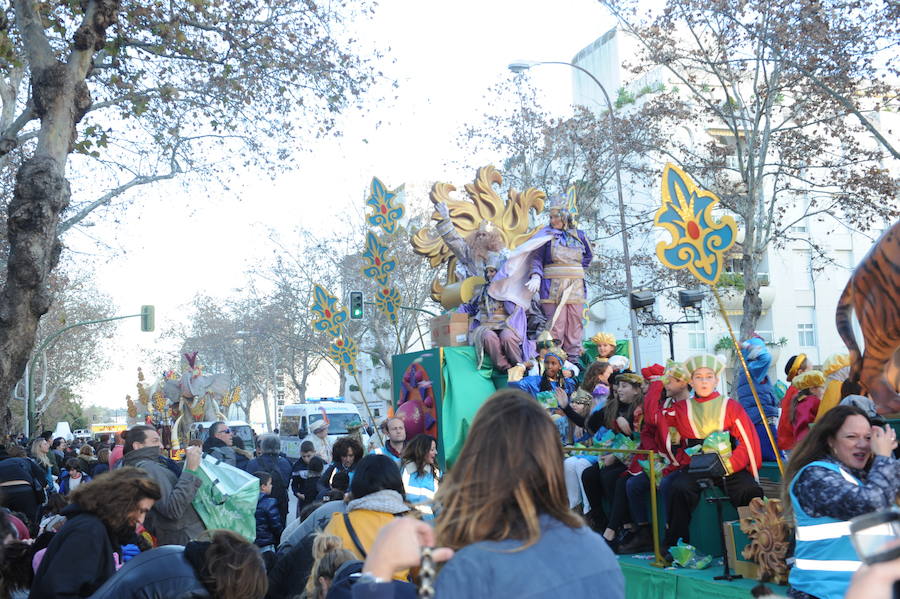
(843, 468)
(420, 474)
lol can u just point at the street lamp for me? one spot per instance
(521, 67)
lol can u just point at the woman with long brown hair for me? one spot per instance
(843, 468)
(420, 474)
(102, 518)
(506, 514)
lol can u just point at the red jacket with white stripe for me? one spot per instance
(699, 417)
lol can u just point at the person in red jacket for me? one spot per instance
(675, 380)
(795, 365)
(805, 406)
(705, 413)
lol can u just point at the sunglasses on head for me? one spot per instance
(544, 344)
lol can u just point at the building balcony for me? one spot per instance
(733, 299)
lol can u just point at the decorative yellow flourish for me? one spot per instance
(511, 218)
(159, 402)
(698, 241)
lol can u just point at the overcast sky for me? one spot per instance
(176, 242)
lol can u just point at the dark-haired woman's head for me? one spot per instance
(121, 499)
(234, 568)
(506, 475)
(375, 473)
(843, 433)
(346, 451)
(421, 451)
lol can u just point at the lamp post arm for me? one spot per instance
(29, 367)
(593, 78)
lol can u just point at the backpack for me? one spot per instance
(349, 572)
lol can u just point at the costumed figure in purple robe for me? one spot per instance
(499, 328)
(552, 264)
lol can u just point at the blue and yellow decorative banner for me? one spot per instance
(343, 351)
(331, 316)
(379, 265)
(387, 300)
(387, 214)
(698, 241)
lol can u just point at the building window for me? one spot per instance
(697, 337)
(807, 334)
(377, 412)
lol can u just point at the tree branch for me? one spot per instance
(34, 39)
(106, 198)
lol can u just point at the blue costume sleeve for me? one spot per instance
(529, 384)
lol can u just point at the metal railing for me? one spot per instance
(658, 560)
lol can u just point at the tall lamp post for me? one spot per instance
(520, 67)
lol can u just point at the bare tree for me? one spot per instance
(781, 84)
(175, 82)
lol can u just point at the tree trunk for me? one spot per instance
(264, 391)
(752, 301)
(60, 98)
(41, 194)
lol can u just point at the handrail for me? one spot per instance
(658, 561)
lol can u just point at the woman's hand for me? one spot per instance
(561, 398)
(883, 442)
(624, 426)
(399, 545)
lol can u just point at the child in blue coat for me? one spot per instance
(268, 519)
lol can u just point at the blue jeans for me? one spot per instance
(638, 489)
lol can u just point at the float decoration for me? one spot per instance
(331, 317)
(699, 243)
(510, 217)
(386, 214)
(770, 539)
(380, 265)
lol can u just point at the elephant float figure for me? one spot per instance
(191, 396)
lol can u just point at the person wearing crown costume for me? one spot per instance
(499, 327)
(551, 264)
(475, 251)
(696, 418)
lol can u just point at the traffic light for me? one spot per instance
(148, 318)
(356, 305)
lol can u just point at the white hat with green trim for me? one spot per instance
(715, 363)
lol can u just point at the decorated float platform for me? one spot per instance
(645, 581)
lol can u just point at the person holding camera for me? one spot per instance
(842, 469)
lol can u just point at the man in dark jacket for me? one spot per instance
(23, 486)
(277, 466)
(173, 521)
(87, 549)
(220, 443)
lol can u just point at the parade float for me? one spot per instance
(175, 400)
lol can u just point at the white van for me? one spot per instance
(296, 420)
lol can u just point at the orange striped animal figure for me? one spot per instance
(873, 292)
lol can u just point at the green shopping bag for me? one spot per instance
(227, 497)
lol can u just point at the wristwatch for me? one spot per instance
(369, 578)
